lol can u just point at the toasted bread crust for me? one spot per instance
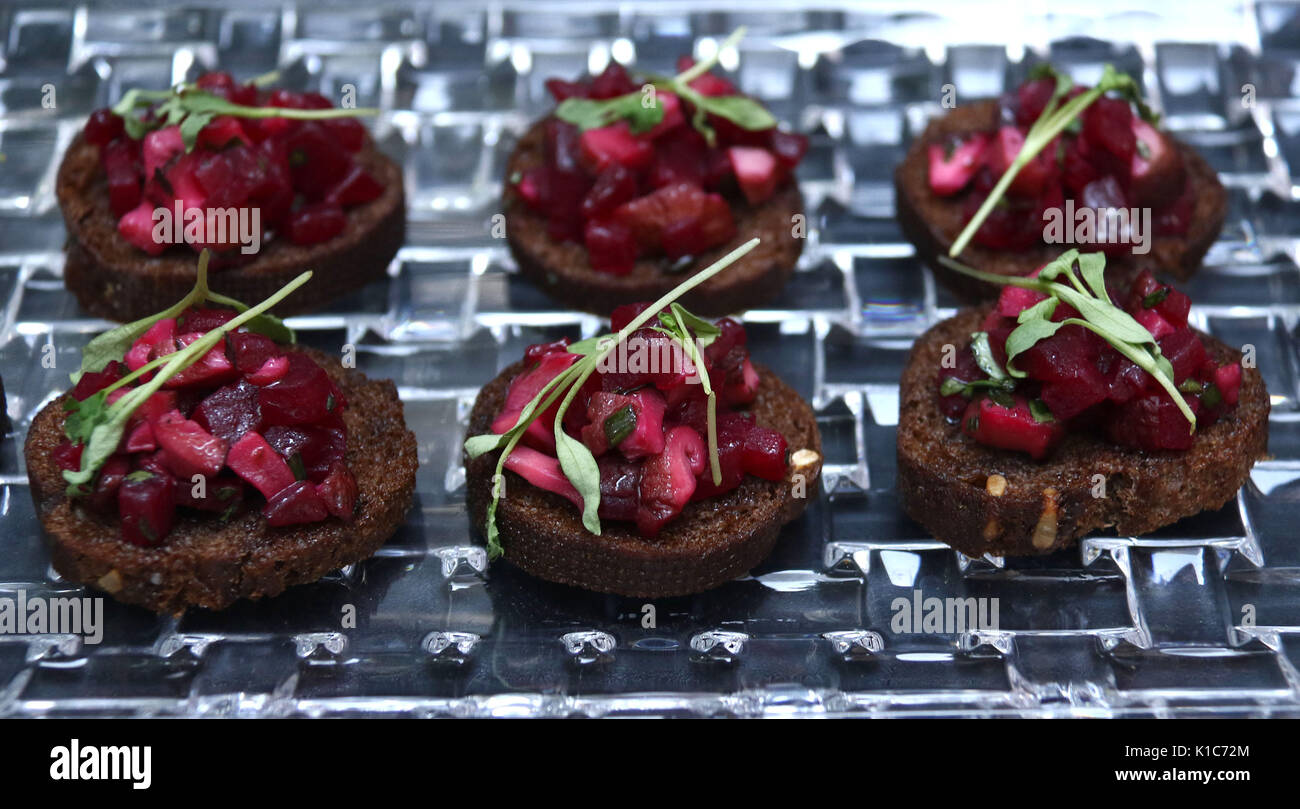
(943, 473)
(931, 222)
(710, 543)
(116, 280)
(563, 271)
(205, 562)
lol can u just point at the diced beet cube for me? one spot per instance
(356, 187)
(637, 420)
(620, 487)
(212, 369)
(756, 172)
(1012, 428)
(733, 428)
(259, 464)
(221, 132)
(1156, 174)
(1152, 422)
(147, 507)
(1227, 378)
(610, 247)
(952, 169)
(159, 147)
(668, 479)
(673, 117)
(1066, 363)
(1013, 300)
(613, 81)
(1032, 98)
(680, 157)
(92, 382)
(230, 411)
(523, 389)
(1184, 351)
(273, 370)
(764, 454)
(543, 471)
(789, 147)
(318, 447)
(1151, 320)
(650, 215)
(67, 455)
(706, 84)
(141, 439)
(317, 161)
(612, 188)
(108, 481)
(157, 341)
(561, 90)
(614, 145)
(538, 350)
(153, 408)
(1033, 177)
(203, 319)
(313, 224)
(295, 504)
(1108, 123)
(304, 395)
(122, 167)
(250, 351)
(188, 448)
(626, 313)
(350, 132)
(103, 126)
(222, 493)
(217, 82)
(743, 391)
(136, 226)
(339, 491)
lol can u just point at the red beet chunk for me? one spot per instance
(1013, 226)
(620, 487)
(295, 504)
(1185, 353)
(356, 187)
(157, 341)
(648, 217)
(756, 171)
(348, 131)
(217, 82)
(626, 313)
(668, 479)
(613, 81)
(789, 147)
(538, 350)
(614, 145)
(612, 188)
(743, 390)
(543, 471)
(339, 491)
(122, 166)
(136, 226)
(1012, 428)
(222, 132)
(257, 463)
(561, 90)
(1066, 363)
(681, 157)
(222, 493)
(103, 498)
(313, 224)
(951, 169)
(304, 395)
(1032, 98)
(1108, 123)
(765, 454)
(204, 319)
(1035, 176)
(273, 370)
(67, 455)
(610, 247)
(102, 126)
(318, 447)
(188, 448)
(251, 351)
(159, 147)
(733, 429)
(1156, 174)
(523, 389)
(1152, 422)
(141, 438)
(230, 411)
(707, 84)
(212, 369)
(147, 507)
(92, 382)
(317, 161)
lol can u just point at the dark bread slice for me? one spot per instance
(943, 475)
(208, 563)
(931, 222)
(710, 543)
(114, 279)
(561, 269)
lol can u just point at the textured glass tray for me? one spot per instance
(1119, 626)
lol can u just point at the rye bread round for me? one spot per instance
(710, 543)
(562, 270)
(205, 562)
(944, 475)
(114, 279)
(931, 222)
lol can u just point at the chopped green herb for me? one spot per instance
(1154, 299)
(620, 424)
(1211, 397)
(1040, 411)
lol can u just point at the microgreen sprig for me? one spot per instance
(193, 108)
(100, 425)
(1056, 116)
(1086, 292)
(576, 461)
(743, 111)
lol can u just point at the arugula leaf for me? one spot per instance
(1040, 411)
(579, 466)
(742, 111)
(591, 113)
(984, 358)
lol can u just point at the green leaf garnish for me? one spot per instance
(984, 358)
(576, 461)
(1040, 411)
(1053, 119)
(1098, 314)
(100, 425)
(619, 425)
(745, 112)
(193, 108)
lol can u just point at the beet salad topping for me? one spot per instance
(209, 146)
(1074, 380)
(629, 182)
(1108, 156)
